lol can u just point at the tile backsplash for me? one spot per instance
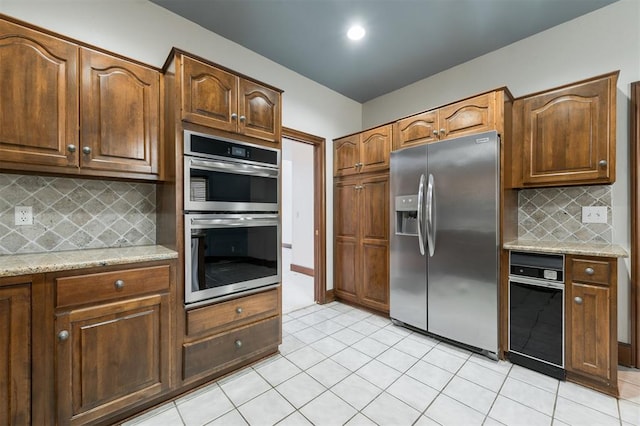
(71, 214)
(555, 214)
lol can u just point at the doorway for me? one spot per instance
(303, 217)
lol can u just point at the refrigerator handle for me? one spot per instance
(419, 213)
(431, 216)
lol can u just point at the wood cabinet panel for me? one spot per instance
(470, 116)
(416, 130)
(346, 209)
(120, 114)
(346, 268)
(375, 275)
(104, 286)
(97, 377)
(259, 111)
(375, 148)
(39, 102)
(15, 355)
(590, 271)
(346, 155)
(374, 208)
(568, 134)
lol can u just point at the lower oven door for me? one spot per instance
(230, 253)
(536, 320)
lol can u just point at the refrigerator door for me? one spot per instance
(463, 232)
(408, 267)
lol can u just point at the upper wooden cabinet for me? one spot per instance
(39, 102)
(218, 99)
(365, 152)
(567, 136)
(119, 114)
(473, 115)
(71, 110)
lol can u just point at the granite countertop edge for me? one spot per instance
(587, 249)
(37, 263)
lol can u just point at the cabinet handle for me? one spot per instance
(119, 284)
(239, 310)
(435, 132)
(86, 149)
(71, 148)
(63, 335)
(234, 116)
(589, 271)
(443, 131)
(602, 163)
(238, 343)
(578, 300)
(243, 118)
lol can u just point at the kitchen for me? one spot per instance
(515, 67)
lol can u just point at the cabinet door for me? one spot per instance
(15, 355)
(467, 117)
(346, 155)
(374, 223)
(259, 112)
(119, 114)
(39, 98)
(346, 225)
(569, 135)
(209, 96)
(375, 149)
(416, 130)
(112, 356)
(590, 316)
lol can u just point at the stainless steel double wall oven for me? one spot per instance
(231, 216)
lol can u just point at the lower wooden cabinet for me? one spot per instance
(361, 229)
(591, 321)
(15, 353)
(113, 349)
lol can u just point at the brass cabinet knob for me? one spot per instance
(63, 335)
(602, 163)
(234, 116)
(435, 132)
(243, 118)
(443, 131)
(71, 148)
(589, 271)
(239, 310)
(86, 149)
(119, 284)
(238, 343)
(578, 300)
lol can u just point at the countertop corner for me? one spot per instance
(563, 247)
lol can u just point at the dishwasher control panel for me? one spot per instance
(549, 267)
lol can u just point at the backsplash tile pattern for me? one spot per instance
(72, 214)
(555, 214)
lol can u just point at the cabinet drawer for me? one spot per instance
(233, 347)
(93, 288)
(590, 271)
(232, 313)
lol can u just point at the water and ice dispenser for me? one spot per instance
(406, 214)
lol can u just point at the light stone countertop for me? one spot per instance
(35, 263)
(587, 249)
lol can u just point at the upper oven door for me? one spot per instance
(217, 185)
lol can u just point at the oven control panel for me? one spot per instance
(548, 267)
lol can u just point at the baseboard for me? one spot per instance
(624, 354)
(329, 296)
(302, 269)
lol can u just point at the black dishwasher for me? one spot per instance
(536, 312)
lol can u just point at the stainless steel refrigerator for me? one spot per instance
(444, 239)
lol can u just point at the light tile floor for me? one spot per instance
(339, 365)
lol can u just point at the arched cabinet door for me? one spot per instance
(119, 114)
(259, 114)
(38, 98)
(346, 155)
(375, 146)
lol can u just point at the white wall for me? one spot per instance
(144, 31)
(302, 200)
(602, 41)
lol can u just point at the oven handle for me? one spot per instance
(248, 221)
(244, 169)
(537, 283)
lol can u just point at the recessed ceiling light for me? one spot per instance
(356, 32)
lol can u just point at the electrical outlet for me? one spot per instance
(594, 214)
(24, 215)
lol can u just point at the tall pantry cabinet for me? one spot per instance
(361, 218)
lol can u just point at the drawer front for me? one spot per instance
(590, 271)
(233, 347)
(233, 313)
(93, 288)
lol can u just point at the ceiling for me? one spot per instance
(406, 40)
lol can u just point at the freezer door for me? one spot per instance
(463, 230)
(408, 267)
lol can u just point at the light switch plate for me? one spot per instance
(594, 214)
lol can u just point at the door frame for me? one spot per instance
(319, 210)
(635, 212)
